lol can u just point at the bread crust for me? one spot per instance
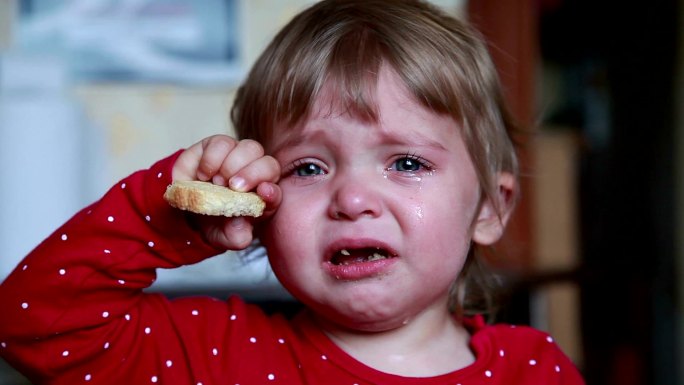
(210, 199)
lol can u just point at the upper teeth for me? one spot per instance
(374, 257)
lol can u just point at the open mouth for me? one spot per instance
(345, 257)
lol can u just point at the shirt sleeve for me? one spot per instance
(77, 300)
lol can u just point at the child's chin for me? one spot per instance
(364, 322)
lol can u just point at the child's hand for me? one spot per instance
(240, 165)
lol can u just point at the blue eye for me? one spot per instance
(307, 169)
(407, 164)
(411, 163)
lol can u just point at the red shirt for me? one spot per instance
(74, 312)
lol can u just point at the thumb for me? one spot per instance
(234, 233)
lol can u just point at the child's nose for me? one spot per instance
(354, 198)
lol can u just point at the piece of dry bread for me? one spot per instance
(210, 199)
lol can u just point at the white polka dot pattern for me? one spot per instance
(71, 260)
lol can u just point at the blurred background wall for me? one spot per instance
(91, 90)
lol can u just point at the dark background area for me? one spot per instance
(617, 66)
(619, 63)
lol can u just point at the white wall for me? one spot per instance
(42, 154)
(62, 145)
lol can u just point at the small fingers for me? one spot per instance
(272, 196)
(263, 169)
(246, 152)
(215, 152)
(241, 163)
(224, 161)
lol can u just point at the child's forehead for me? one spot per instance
(399, 117)
(381, 100)
(337, 97)
(388, 135)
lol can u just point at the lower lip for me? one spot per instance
(359, 270)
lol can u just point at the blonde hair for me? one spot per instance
(443, 62)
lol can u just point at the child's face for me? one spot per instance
(376, 218)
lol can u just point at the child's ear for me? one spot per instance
(490, 223)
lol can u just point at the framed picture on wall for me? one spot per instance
(171, 41)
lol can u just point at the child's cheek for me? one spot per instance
(415, 211)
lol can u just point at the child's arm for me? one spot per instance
(74, 310)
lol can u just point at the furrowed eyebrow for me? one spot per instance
(294, 139)
(388, 137)
(413, 139)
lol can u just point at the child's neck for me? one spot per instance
(431, 344)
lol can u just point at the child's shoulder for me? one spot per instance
(529, 354)
(506, 332)
(520, 342)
